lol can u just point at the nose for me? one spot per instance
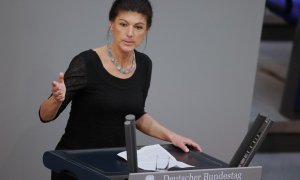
(130, 31)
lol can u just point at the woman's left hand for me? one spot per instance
(183, 143)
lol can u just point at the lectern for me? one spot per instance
(96, 164)
(105, 164)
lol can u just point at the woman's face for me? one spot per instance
(129, 29)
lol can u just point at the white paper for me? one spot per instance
(147, 157)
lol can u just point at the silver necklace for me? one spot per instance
(117, 64)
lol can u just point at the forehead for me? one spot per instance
(132, 17)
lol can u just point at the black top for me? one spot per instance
(100, 101)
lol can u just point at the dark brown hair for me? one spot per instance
(140, 6)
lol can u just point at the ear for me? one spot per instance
(110, 25)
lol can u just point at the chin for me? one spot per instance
(127, 48)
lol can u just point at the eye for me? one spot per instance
(122, 24)
(139, 27)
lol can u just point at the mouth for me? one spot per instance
(128, 42)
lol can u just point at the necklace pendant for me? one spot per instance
(118, 66)
(123, 71)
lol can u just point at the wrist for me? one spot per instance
(172, 137)
(55, 101)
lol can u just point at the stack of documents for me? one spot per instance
(147, 157)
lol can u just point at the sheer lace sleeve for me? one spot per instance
(75, 80)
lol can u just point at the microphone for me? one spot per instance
(130, 138)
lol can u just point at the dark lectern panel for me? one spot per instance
(105, 162)
(100, 161)
(194, 158)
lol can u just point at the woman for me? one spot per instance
(107, 83)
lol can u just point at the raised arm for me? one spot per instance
(50, 106)
(151, 127)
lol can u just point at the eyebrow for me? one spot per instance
(139, 23)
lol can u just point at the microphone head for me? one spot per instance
(130, 117)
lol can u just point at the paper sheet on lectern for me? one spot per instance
(147, 157)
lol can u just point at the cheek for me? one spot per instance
(117, 33)
(140, 38)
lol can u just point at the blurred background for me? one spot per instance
(276, 90)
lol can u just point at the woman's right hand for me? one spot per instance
(59, 88)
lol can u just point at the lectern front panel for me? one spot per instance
(105, 163)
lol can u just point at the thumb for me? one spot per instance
(61, 77)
